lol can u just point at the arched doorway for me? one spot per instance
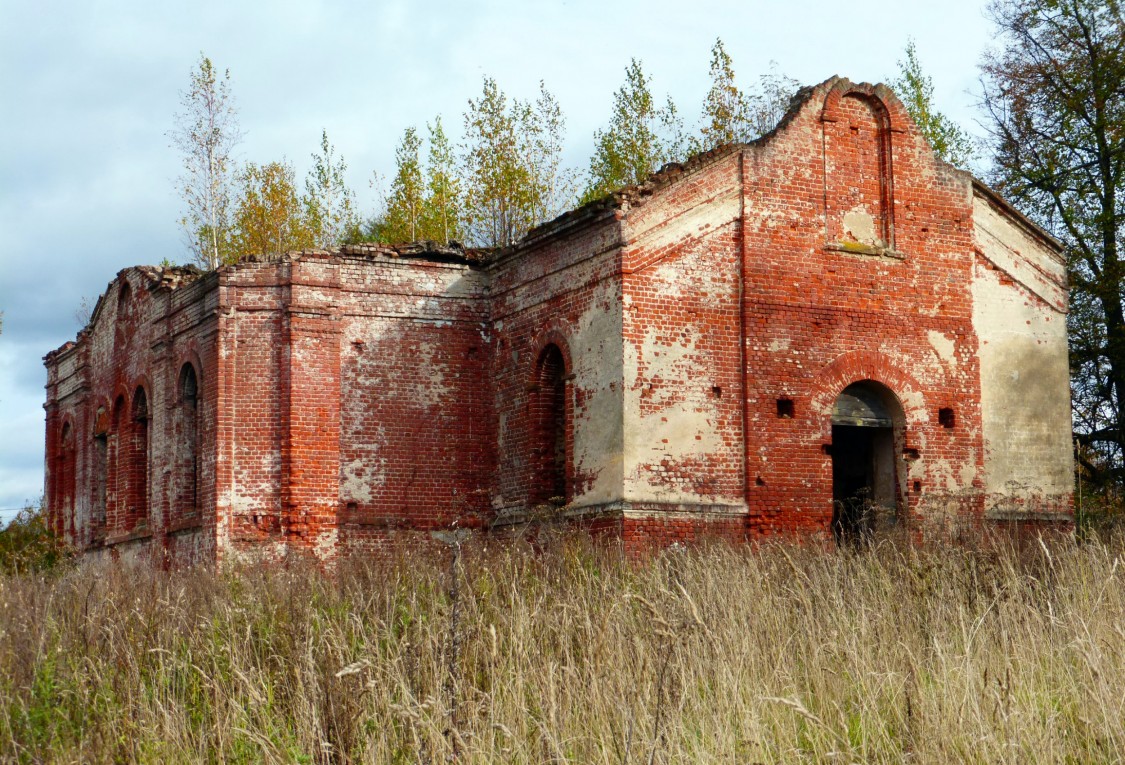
(867, 476)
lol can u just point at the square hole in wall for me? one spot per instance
(785, 409)
(946, 417)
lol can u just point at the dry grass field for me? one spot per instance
(778, 654)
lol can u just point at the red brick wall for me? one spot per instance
(417, 421)
(683, 381)
(565, 291)
(819, 316)
(116, 486)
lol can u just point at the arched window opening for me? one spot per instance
(101, 467)
(187, 452)
(859, 191)
(137, 508)
(549, 406)
(63, 477)
(868, 434)
(124, 297)
(117, 479)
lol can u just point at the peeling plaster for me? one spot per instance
(944, 346)
(1026, 426)
(599, 423)
(859, 223)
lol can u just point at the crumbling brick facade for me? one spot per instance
(827, 331)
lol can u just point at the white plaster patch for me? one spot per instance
(943, 346)
(779, 344)
(712, 214)
(859, 223)
(680, 418)
(433, 389)
(357, 480)
(599, 425)
(1025, 402)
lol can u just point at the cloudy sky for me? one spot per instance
(88, 91)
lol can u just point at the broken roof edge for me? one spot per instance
(668, 173)
(427, 249)
(169, 277)
(992, 195)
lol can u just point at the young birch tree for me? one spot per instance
(770, 100)
(329, 202)
(553, 185)
(206, 132)
(726, 110)
(269, 217)
(443, 210)
(916, 91)
(403, 221)
(641, 137)
(510, 165)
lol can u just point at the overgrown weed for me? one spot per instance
(568, 653)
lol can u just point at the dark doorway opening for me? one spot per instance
(867, 477)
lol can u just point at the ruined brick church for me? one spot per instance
(828, 331)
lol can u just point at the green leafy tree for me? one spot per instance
(28, 545)
(269, 217)
(443, 210)
(543, 131)
(497, 182)
(330, 213)
(207, 132)
(640, 138)
(1054, 96)
(916, 91)
(510, 165)
(726, 110)
(405, 208)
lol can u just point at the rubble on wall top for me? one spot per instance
(453, 251)
(169, 277)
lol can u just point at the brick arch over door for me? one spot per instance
(871, 370)
(858, 366)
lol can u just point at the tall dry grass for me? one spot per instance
(719, 654)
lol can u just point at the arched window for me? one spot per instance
(549, 420)
(63, 475)
(124, 300)
(123, 329)
(187, 447)
(859, 191)
(117, 482)
(101, 468)
(137, 508)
